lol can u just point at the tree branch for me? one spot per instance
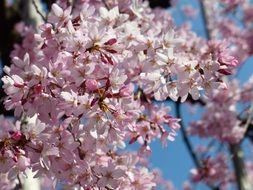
(185, 138)
(19, 186)
(106, 5)
(239, 166)
(205, 20)
(38, 11)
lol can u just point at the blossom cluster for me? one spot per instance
(231, 20)
(226, 124)
(227, 117)
(89, 77)
(214, 172)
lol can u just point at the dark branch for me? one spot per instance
(239, 166)
(38, 11)
(188, 143)
(198, 101)
(106, 5)
(185, 137)
(205, 20)
(19, 186)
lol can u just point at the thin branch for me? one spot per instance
(106, 5)
(19, 186)
(38, 11)
(185, 138)
(188, 143)
(199, 101)
(239, 166)
(205, 20)
(73, 3)
(248, 121)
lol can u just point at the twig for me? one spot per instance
(73, 3)
(38, 11)
(248, 121)
(19, 186)
(106, 5)
(185, 138)
(198, 101)
(205, 20)
(188, 143)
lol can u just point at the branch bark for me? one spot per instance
(38, 11)
(106, 5)
(239, 166)
(185, 138)
(32, 12)
(205, 19)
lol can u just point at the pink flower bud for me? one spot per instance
(38, 89)
(16, 135)
(110, 42)
(91, 84)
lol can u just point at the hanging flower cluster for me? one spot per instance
(232, 20)
(225, 123)
(214, 171)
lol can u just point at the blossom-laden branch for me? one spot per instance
(235, 149)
